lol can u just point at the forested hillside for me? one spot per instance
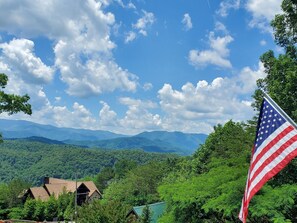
(206, 187)
(154, 141)
(32, 161)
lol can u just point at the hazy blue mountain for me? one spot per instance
(24, 129)
(130, 143)
(185, 141)
(44, 140)
(155, 141)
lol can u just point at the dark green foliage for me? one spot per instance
(103, 178)
(275, 204)
(61, 208)
(51, 209)
(115, 211)
(146, 215)
(15, 213)
(93, 212)
(39, 212)
(4, 196)
(32, 160)
(122, 167)
(103, 212)
(281, 80)
(64, 202)
(13, 103)
(69, 211)
(139, 186)
(29, 209)
(284, 25)
(213, 189)
(10, 201)
(16, 188)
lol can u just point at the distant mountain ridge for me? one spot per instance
(24, 129)
(155, 141)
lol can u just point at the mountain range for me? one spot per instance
(155, 141)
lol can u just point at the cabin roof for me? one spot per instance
(156, 209)
(55, 186)
(39, 193)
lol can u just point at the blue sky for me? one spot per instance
(137, 65)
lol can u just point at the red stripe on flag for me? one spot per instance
(245, 202)
(271, 174)
(277, 136)
(274, 155)
(270, 145)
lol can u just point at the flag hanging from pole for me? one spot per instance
(275, 146)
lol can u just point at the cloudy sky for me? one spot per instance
(129, 66)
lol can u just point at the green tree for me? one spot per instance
(69, 211)
(275, 204)
(104, 177)
(39, 214)
(139, 186)
(29, 209)
(146, 215)
(122, 167)
(93, 212)
(51, 208)
(284, 25)
(115, 211)
(4, 197)
(212, 193)
(12, 103)
(64, 200)
(10, 200)
(281, 80)
(16, 189)
(15, 213)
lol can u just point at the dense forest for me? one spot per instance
(31, 161)
(204, 188)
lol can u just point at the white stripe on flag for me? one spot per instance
(272, 164)
(271, 151)
(270, 138)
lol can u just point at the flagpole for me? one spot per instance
(274, 104)
(75, 203)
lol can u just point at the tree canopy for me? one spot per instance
(281, 80)
(12, 103)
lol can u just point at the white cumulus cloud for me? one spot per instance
(107, 117)
(19, 56)
(198, 107)
(138, 115)
(92, 77)
(216, 55)
(263, 11)
(81, 38)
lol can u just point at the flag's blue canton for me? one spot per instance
(270, 120)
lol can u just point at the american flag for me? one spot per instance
(275, 146)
